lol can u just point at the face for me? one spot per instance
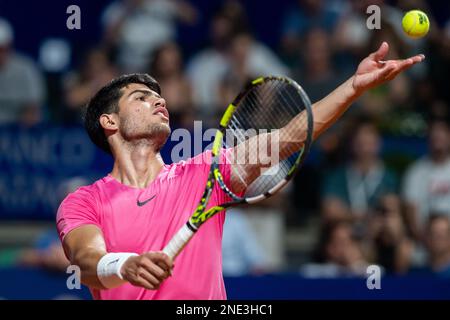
(221, 30)
(390, 205)
(96, 63)
(366, 143)
(439, 236)
(240, 49)
(169, 61)
(340, 241)
(439, 138)
(317, 48)
(4, 54)
(143, 115)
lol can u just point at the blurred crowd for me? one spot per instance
(357, 201)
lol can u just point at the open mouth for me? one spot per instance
(161, 111)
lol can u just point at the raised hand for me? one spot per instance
(373, 70)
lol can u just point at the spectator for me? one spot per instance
(47, 251)
(207, 67)
(426, 186)
(242, 253)
(439, 64)
(137, 27)
(21, 83)
(438, 244)
(210, 67)
(393, 248)
(95, 72)
(299, 19)
(167, 67)
(267, 220)
(238, 73)
(353, 190)
(339, 253)
(351, 36)
(317, 74)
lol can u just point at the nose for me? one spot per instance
(161, 102)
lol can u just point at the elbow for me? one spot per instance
(87, 263)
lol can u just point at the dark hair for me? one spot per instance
(436, 216)
(326, 234)
(106, 101)
(432, 121)
(156, 60)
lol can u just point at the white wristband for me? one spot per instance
(108, 268)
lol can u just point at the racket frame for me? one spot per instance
(200, 216)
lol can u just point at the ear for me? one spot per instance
(109, 121)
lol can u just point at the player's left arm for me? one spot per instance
(371, 72)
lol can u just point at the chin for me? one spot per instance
(162, 127)
(160, 137)
(160, 131)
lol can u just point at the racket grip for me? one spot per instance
(178, 241)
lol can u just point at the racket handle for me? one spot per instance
(178, 241)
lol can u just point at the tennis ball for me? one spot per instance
(415, 23)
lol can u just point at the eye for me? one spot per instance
(142, 98)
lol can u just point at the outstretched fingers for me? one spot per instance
(402, 65)
(381, 52)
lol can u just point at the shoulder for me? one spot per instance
(22, 62)
(202, 159)
(78, 208)
(389, 173)
(337, 173)
(85, 194)
(419, 166)
(205, 58)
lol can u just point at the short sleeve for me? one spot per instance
(204, 160)
(412, 186)
(334, 185)
(77, 209)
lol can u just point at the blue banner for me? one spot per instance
(23, 283)
(37, 163)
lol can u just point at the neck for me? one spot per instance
(137, 165)
(169, 76)
(365, 165)
(440, 261)
(319, 72)
(439, 157)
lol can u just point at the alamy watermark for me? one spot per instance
(373, 280)
(374, 20)
(74, 20)
(74, 280)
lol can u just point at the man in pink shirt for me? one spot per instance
(115, 229)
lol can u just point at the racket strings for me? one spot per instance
(262, 111)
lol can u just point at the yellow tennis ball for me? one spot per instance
(416, 24)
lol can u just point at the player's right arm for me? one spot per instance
(85, 247)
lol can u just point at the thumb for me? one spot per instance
(381, 52)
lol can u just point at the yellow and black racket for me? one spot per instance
(266, 133)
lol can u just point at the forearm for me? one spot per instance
(328, 110)
(325, 112)
(291, 137)
(87, 260)
(85, 247)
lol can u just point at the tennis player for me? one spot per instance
(115, 228)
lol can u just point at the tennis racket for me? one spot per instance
(273, 109)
